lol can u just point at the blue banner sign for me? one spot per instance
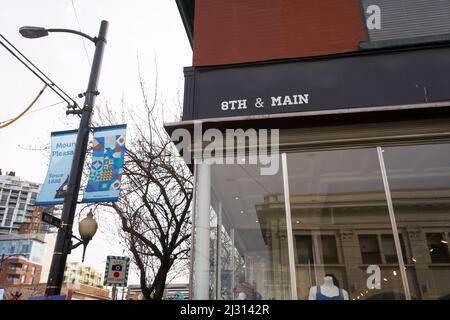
(62, 151)
(107, 164)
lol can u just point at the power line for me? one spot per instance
(49, 82)
(26, 109)
(79, 28)
(40, 109)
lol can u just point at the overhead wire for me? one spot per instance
(39, 109)
(62, 94)
(26, 109)
(79, 28)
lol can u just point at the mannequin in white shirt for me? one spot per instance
(327, 291)
(242, 296)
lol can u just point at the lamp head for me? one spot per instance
(87, 227)
(33, 32)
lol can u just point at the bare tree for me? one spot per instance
(156, 194)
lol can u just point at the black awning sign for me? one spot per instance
(394, 78)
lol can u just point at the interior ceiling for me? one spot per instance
(330, 172)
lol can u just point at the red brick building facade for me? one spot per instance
(17, 271)
(235, 31)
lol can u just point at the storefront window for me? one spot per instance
(354, 215)
(419, 179)
(341, 225)
(250, 231)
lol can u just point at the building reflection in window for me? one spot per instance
(340, 223)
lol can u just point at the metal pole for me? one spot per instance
(219, 253)
(233, 262)
(202, 236)
(63, 240)
(398, 247)
(290, 237)
(192, 252)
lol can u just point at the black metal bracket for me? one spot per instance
(74, 112)
(71, 245)
(96, 93)
(76, 245)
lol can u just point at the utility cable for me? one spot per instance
(40, 109)
(82, 38)
(24, 111)
(49, 82)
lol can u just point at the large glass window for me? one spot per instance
(419, 181)
(342, 225)
(340, 217)
(250, 230)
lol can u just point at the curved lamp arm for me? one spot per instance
(94, 40)
(38, 32)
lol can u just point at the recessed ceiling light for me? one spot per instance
(444, 241)
(236, 198)
(257, 221)
(297, 221)
(242, 211)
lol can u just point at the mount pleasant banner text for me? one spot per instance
(62, 151)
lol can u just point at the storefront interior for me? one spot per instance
(344, 205)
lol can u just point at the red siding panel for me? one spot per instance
(237, 31)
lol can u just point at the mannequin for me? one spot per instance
(242, 296)
(328, 290)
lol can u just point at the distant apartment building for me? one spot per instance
(77, 273)
(24, 240)
(17, 198)
(21, 258)
(19, 271)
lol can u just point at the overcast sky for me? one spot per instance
(148, 28)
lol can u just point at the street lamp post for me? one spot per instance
(63, 241)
